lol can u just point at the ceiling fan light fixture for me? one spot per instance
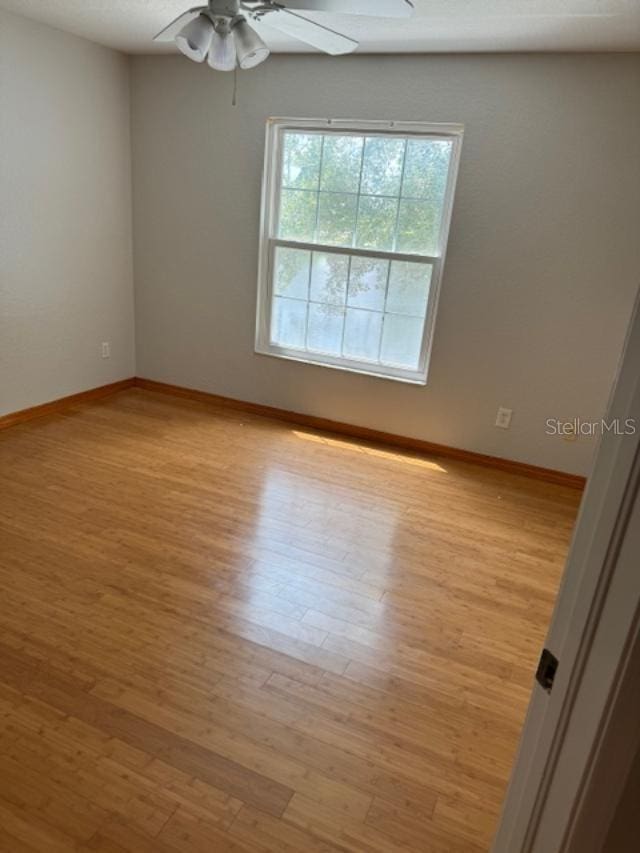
(222, 52)
(195, 39)
(251, 50)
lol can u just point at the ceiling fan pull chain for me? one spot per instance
(235, 86)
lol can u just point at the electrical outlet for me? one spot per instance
(503, 418)
(106, 349)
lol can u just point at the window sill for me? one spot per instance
(395, 374)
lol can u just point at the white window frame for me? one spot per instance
(276, 128)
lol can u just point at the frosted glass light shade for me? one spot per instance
(250, 47)
(222, 52)
(195, 39)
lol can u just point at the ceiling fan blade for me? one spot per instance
(309, 32)
(172, 29)
(372, 8)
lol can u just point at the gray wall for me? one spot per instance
(543, 256)
(66, 267)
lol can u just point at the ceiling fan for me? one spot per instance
(220, 31)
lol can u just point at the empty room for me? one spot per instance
(319, 384)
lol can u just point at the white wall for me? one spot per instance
(66, 281)
(543, 257)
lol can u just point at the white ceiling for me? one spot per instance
(437, 26)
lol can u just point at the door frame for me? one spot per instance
(595, 634)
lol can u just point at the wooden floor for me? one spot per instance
(222, 633)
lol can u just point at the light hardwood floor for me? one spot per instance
(222, 633)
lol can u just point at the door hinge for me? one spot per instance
(547, 668)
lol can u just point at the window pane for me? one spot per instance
(292, 273)
(298, 215)
(376, 223)
(418, 227)
(346, 206)
(301, 160)
(401, 340)
(426, 169)
(409, 288)
(325, 328)
(362, 334)
(336, 219)
(288, 322)
(368, 283)
(382, 166)
(329, 278)
(341, 158)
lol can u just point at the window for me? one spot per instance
(354, 226)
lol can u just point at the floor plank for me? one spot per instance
(218, 632)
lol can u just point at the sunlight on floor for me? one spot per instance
(370, 451)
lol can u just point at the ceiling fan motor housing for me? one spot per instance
(224, 8)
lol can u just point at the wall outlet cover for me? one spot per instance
(503, 418)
